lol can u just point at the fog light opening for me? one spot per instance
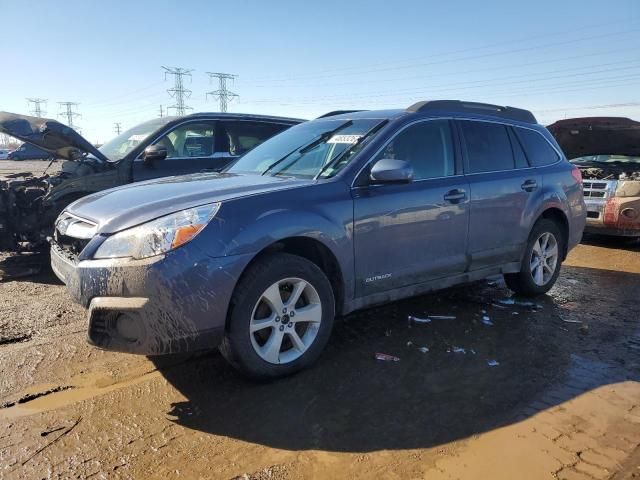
(129, 327)
(629, 213)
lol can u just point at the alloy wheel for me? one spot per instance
(285, 320)
(544, 259)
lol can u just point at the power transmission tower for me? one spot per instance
(224, 95)
(68, 112)
(161, 112)
(117, 128)
(178, 91)
(37, 110)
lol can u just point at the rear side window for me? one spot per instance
(243, 136)
(488, 147)
(538, 150)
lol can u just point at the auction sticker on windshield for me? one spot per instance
(344, 139)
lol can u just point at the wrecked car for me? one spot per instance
(607, 152)
(330, 216)
(30, 202)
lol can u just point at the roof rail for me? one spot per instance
(338, 112)
(458, 106)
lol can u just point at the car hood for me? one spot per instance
(125, 207)
(581, 137)
(49, 135)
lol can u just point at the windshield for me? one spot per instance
(118, 147)
(317, 148)
(606, 159)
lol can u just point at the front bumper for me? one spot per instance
(171, 303)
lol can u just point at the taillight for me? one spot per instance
(576, 174)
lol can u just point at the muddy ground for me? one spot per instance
(562, 402)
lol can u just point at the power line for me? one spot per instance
(178, 91)
(161, 113)
(401, 63)
(224, 95)
(117, 127)
(37, 110)
(68, 112)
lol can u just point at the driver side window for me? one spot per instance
(427, 146)
(190, 140)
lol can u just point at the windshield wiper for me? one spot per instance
(341, 155)
(314, 143)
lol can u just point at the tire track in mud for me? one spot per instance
(46, 397)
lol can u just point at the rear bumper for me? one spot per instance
(167, 304)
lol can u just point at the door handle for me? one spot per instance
(529, 185)
(455, 196)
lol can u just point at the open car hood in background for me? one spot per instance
(581, 137)
(49, 135)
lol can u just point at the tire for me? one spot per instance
(254, 321)
(528, 281)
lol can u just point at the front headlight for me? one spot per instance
(158, 236)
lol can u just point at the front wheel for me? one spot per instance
(281, 317)
(541, 262)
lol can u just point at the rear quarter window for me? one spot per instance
(488, 147)
(538, 150)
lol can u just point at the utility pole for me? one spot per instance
(116, 127)
(161, 113)
(178, 91)
(68, 112)
(37, 110)
(224, 95)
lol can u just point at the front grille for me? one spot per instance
(595, 185)
(72, 234)
(594, 194)
(591, 214)
(600, 190)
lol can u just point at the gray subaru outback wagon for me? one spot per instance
(349, 210)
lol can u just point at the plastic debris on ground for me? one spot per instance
(386, 358)
(493, 363)
(422, 349)
(458, 350)
(442, 317)
(567, 320)
(519, 303)
(413, 319)
(487, 321)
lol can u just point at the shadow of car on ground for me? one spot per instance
(578, 338)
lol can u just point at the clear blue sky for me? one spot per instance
(304, 58)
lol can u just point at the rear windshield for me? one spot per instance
(319, 148)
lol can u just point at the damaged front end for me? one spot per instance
(612, 196)
(607, 152)
(30, 203)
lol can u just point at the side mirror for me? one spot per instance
(387, 170)
(154, 153)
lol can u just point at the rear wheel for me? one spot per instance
(541, 262)
(281, 317)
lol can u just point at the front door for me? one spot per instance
(406, 234)
(191, 148)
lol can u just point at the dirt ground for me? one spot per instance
(563, 400)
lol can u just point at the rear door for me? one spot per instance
(406, 234)
(503, 187)
(237, 137)
(191, 148)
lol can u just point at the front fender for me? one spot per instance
(248, 225)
